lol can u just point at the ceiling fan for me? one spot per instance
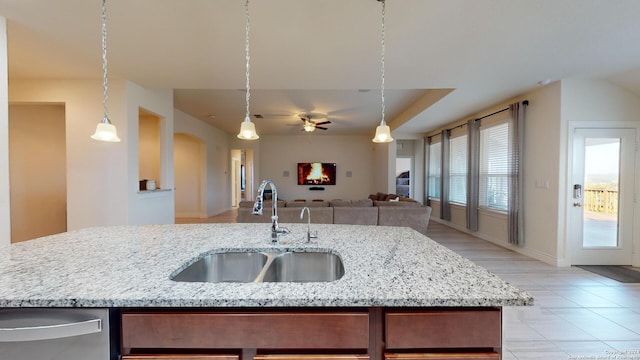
(310, 126)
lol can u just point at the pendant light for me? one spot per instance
(247, 128)
(105, 131)
(383, 132)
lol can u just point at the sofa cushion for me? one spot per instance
(397, 204)
(310, 204)
(319, 215)
(355, 215)
(340, 202)
(362, 203)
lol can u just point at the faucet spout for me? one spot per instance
(309, 236)
(258, 205)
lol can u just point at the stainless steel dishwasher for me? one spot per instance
(54, 334)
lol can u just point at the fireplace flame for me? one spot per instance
(317, 174)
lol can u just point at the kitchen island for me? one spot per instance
(402, 295)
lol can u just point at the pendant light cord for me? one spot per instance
(246, 48)
(104, 61)
(382, 122)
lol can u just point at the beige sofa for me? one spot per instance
(356, 212)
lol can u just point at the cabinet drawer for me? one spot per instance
(180, 357)
(444, 329)
(276, 330)
(447, 356)
(311, 357)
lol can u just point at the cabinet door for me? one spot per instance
(311, 357)
(447, 356)
(478, 328)
(180, 357)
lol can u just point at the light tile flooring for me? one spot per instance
(577, 314)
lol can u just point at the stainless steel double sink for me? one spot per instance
(240, 266)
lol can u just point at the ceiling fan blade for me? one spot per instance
(321, 128)
(324, 122)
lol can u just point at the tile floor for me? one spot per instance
(577, 314)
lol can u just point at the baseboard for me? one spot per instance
(532, 253)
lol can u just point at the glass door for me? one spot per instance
(602, 196)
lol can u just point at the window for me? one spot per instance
(433, 191)
(494, 167)
(458, 169)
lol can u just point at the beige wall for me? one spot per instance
(144, 207)
(188, 161)
(96, 171)
(37, 168)
(217, 193)
(149, 148)
(350, 153)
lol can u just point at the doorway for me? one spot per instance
(602, 196)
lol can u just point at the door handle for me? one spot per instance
(577, 204)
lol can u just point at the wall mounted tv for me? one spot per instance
(316, 173)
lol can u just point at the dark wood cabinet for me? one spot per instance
(313, 334)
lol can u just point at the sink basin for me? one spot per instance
(224, 267)
(264, 267)
(304, 267)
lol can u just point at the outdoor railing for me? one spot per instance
(603, 201)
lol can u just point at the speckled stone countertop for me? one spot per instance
(129, 266)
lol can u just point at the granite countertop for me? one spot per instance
(129, 266)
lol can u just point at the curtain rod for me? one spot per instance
(524, 102)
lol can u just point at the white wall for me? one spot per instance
(96, 171)
(593, 103)
(5, 207)
(157, 207)
(350, 153)
(218, 188)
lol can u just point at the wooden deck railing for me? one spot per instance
(604, 201)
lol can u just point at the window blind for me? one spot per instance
(434, 170)
(494, 166)
(458, 169)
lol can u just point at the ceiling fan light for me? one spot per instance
(248, 130)
(309, 127)
(383, 134)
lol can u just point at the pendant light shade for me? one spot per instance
(383, 132)
(247, 128)
(105, 131)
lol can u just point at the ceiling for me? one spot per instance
(445, 59)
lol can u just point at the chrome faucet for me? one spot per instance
(309, 236)
(257, 209)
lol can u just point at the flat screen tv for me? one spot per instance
(315, 173)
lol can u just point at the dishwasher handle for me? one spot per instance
(22, 325)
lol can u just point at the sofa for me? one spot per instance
(354, 212)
